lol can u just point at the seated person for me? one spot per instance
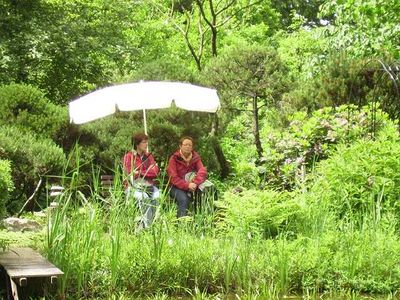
(185, 160)
(141, 170)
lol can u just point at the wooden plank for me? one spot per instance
(34, 272)
(25, 262)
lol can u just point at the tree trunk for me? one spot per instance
(256, 128)
(214, 42)
(223, 163)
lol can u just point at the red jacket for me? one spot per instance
(145, 166)
(177, 169)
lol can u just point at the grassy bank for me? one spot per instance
(95, 244)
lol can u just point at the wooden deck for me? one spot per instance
(20, 264)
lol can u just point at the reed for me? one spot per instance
(92, 238)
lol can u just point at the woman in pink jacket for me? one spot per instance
(184, 161)
(141, 171)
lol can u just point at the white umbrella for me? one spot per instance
(142, 96)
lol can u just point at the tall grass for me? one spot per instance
(102, 258)
(321, 242)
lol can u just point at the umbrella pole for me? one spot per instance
(145, 121)
(145, 125)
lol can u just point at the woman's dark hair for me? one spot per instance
(137, 138)
(186, 137)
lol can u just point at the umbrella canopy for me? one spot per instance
(142, 96)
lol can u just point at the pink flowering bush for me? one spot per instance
(290, 154)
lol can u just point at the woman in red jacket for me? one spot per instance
(182, 162)
(141, 171)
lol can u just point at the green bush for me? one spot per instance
(31, 157)
(6, 185)
(345, 80)
(164, 140)
(260, 213)
(310, 139)
(239, 148)
(359, 182)
(27, 108)
(290, 153)
(106, 139)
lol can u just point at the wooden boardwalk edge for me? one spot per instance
(20, 264)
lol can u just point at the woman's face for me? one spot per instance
(186, 147)
(142, 147)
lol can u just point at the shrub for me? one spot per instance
(31, 157)
(107, 139)
(291, 152)
(345, 80)
(165, 140)
(260, 213)
(312, 139)
(240, 150)
(6, 185)
(359, 182)
(27, 108)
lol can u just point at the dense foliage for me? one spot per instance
(360, 181)
(27, 108)
(32, 158)
(306, 142)
(6, 184)
(364, 28)
(260, 213)
(310, 139)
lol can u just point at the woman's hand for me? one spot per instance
(192, 186)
